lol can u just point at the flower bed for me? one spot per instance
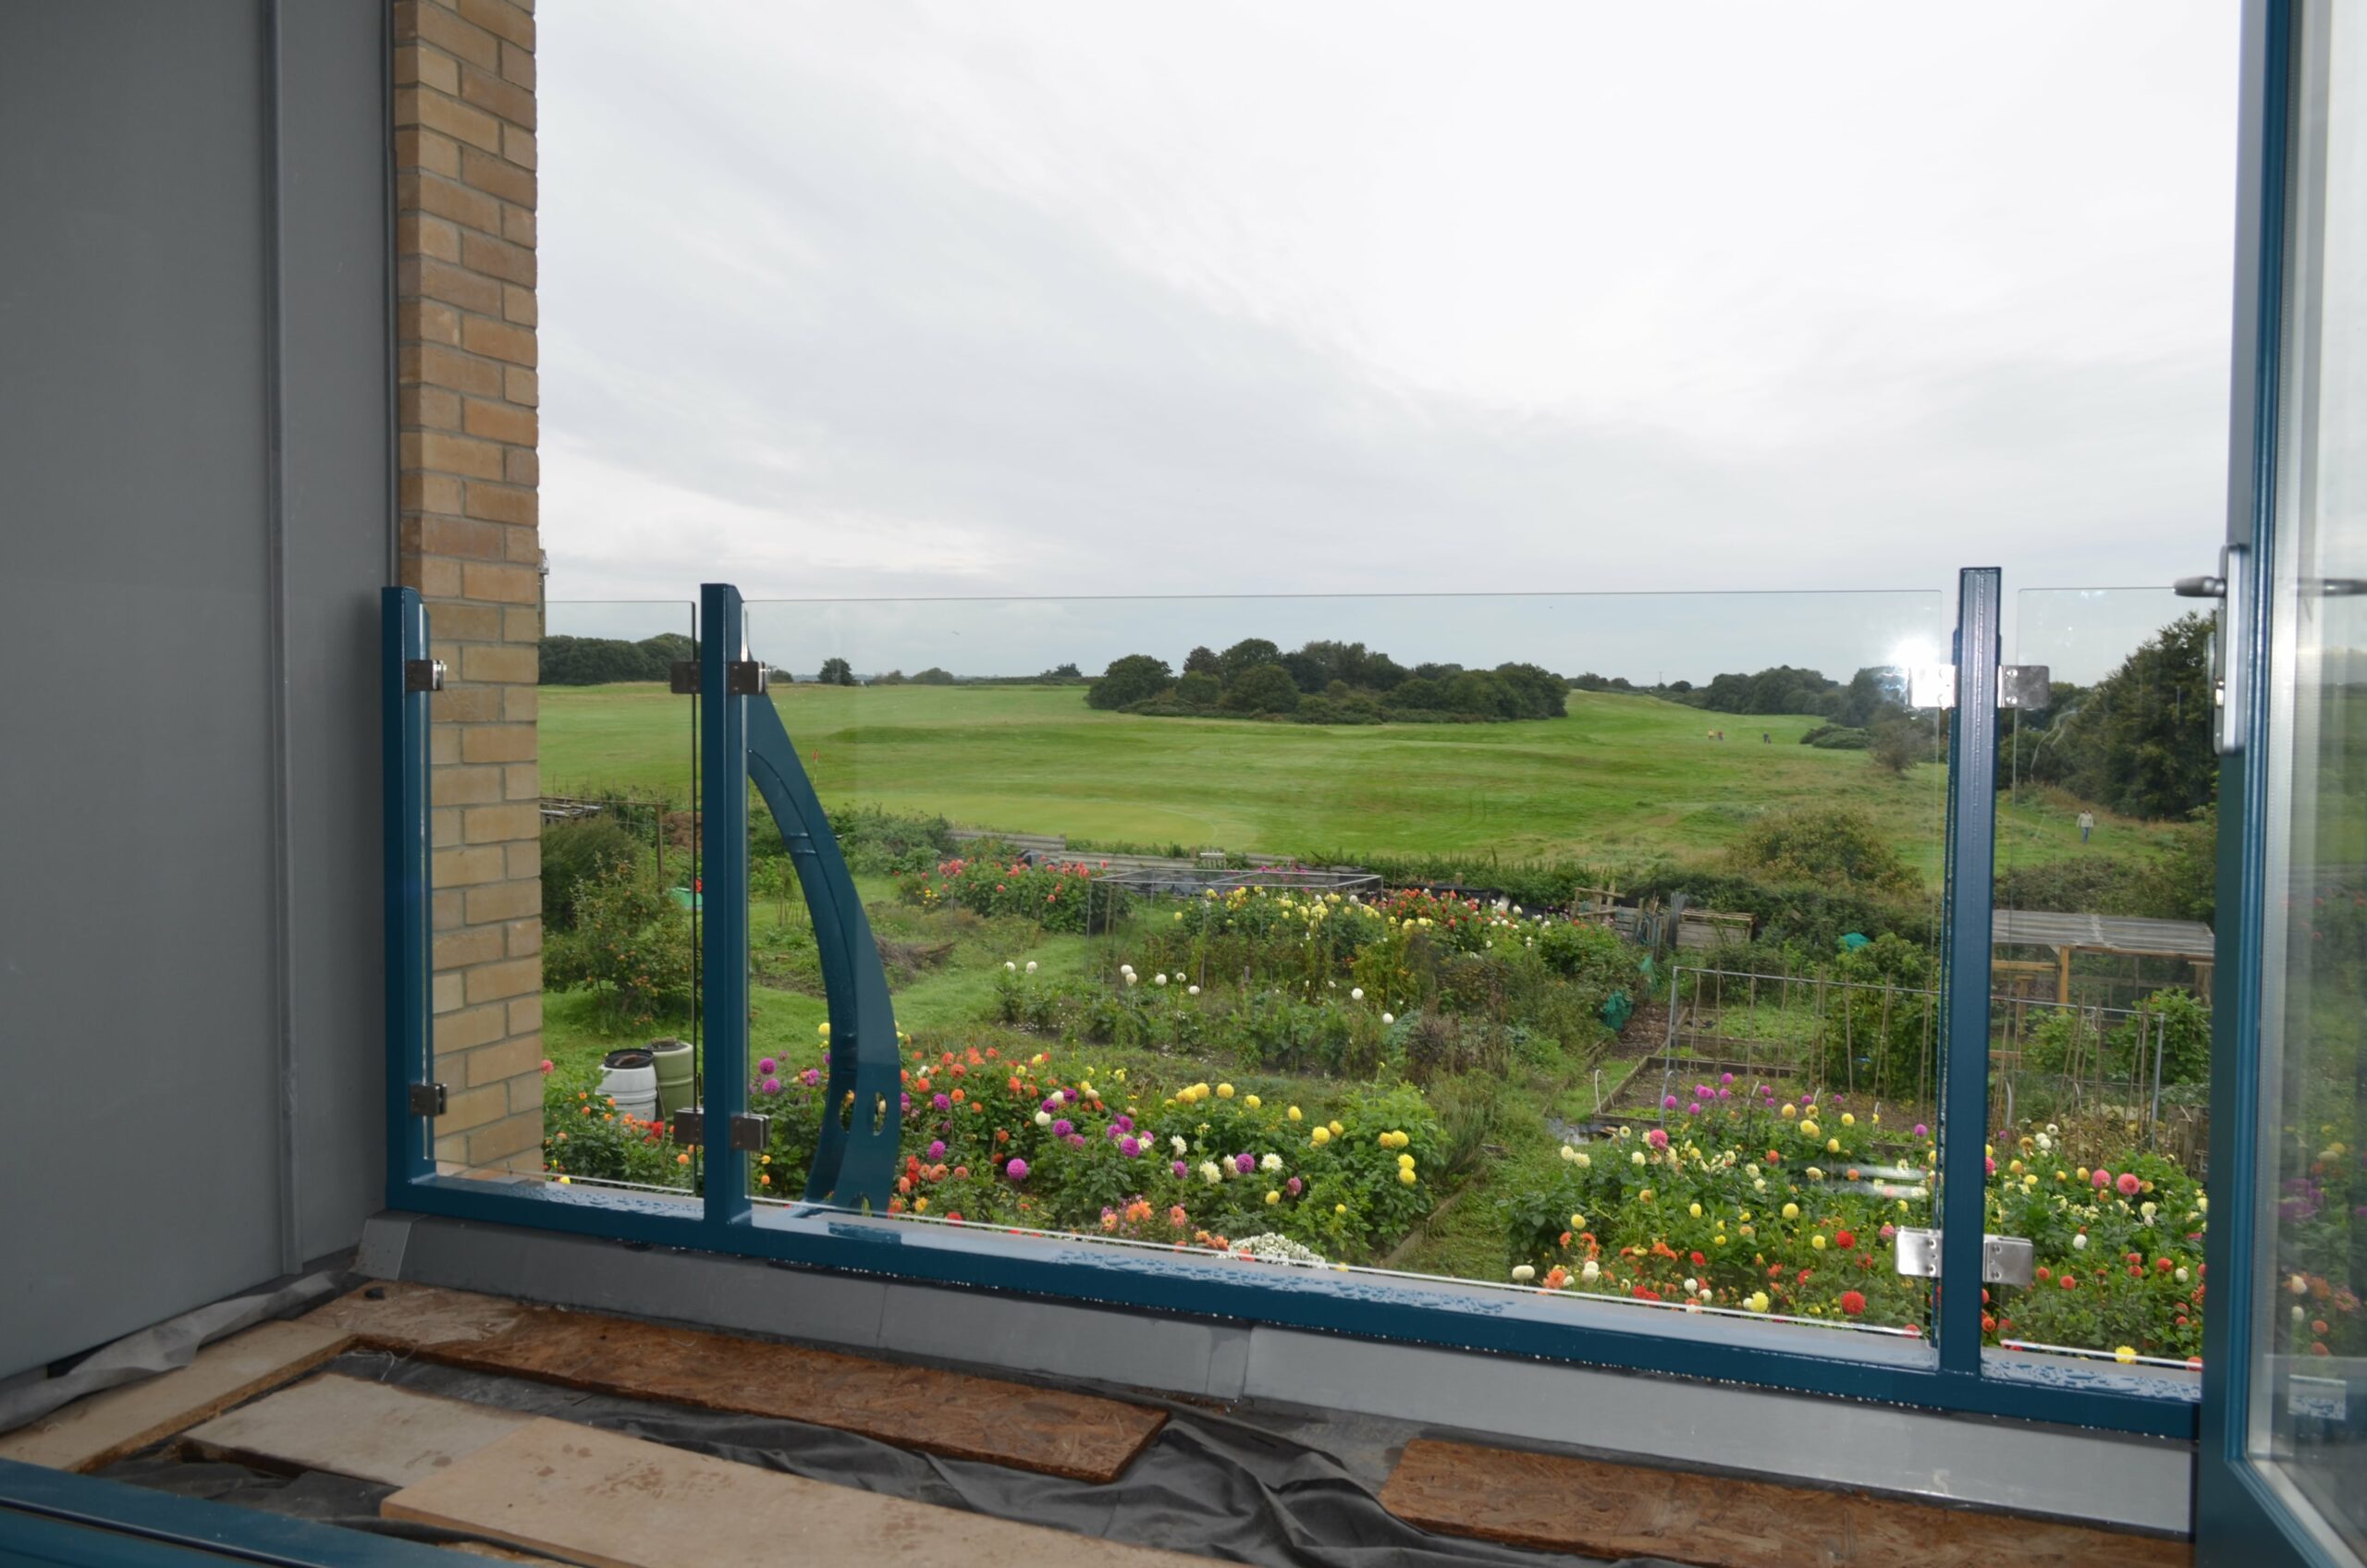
(1054, 897)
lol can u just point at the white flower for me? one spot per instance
(1569, 1153)
(1517, 909)
(1271, 1162)
(1010, 968)
(1523, 1273)
(2297, 1314)
(2299, 1287)
(1355, 993)
(1209, 1173)
(2079, 1241)
(1592, 1272)
(1582, 1161)
(1175, 1144)
(1333, 985)
(1635, 1159)
(2179, 1276)
(1692, 1287)
(1031, 966)
(1131, 976)
(1193, 990)
(1125, 969)
(1160, 978)
(1387, 1018)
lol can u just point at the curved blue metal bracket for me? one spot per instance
(854, 1164)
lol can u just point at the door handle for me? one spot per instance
(2231, 693)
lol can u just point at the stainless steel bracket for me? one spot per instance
(2005, 1260)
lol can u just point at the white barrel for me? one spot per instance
(631, 1079)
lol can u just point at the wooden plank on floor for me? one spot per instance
(106, 1426)
(1594, 1509)
(954, 1413)
(351, 1426)
(615, 1502)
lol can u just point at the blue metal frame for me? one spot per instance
(408, 845)
(856, 1164)
(1819, 1361)
(1970, 891)
(84, 1521)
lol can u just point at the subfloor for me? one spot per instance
(1244, 1484)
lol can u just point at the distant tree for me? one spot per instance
(1308, 671)
(1063, 672)
(1199, 689)
(2140, 740)
(1246, 654)
(1894, 744)
(836, 672)
(1265, 688)
(1681, 688)
(1537, 692)
(893, 678)
(1419, 693)
(1440, 673)
(1127, 680)
(933, 676)
(1203, 661)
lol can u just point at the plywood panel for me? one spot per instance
(615, 1502)
(351, 1426)
(105, 1427)
(1594, 1509)
(916, 1407)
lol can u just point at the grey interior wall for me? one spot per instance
(194, 519)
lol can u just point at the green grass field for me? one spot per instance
(1621, 778)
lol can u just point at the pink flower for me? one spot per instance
(768, 1067)
(2128, 1184)
(937, 1149)
(1131, 1147)
(771, 1086)
(1921, 1131)
(810, 1077)
(1657, 1138)
(1668, 1102)
(1016, 1171)
(1244, 1163)
(546, 1064)
(1177, 1168)
(2102, 1179)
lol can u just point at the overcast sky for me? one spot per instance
(990, 298)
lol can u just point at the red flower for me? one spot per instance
(1845, 1240)
(2069, 1283)
(1853, 1303)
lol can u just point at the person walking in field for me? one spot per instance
(2087, 825)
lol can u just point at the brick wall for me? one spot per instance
(466, 395)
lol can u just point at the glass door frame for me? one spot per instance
(2244, 1514)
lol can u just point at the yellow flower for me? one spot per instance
(1807, 1129)
(1340, 1208)
(1291, 1113)
(1832, 1146)
(1320, 1136)
(1847, 1120)
(1224, 1091)
(1337, 1129)
(823, 1030)
(1791, 1211)
(1817, 1241)
(1577, 1222)
(1273, 1197)
(1790, 1111)
(2124, 1354)
(1694, 1210)
(1252, 1102)
(1407, 1176)
(1405, 1161)
(920, 1206)
(1757, 1301)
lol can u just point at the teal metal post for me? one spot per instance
(722, 880)
(1964, 1048)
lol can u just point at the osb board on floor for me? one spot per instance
(615, 1502)
(350, 1426)
(1593, 1509)
(954, 1414)
(106, 1426)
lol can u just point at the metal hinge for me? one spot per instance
(2005, 1260)
(423, 675)
(742, 678)
(426, 1099)
(749, 1134)
(2028, 687)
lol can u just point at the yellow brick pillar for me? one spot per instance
(466, 396)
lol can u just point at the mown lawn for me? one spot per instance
(1621, 778)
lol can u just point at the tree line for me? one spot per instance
(1325, 681)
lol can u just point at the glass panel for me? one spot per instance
(1573, 942)
(2310, 1332)
(618, 921)
(2102, 976)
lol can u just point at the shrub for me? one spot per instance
(1832, 845)
(1837, 738)
(578, 853)
(630, 946)
(1199, 689)
(1054, 897)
